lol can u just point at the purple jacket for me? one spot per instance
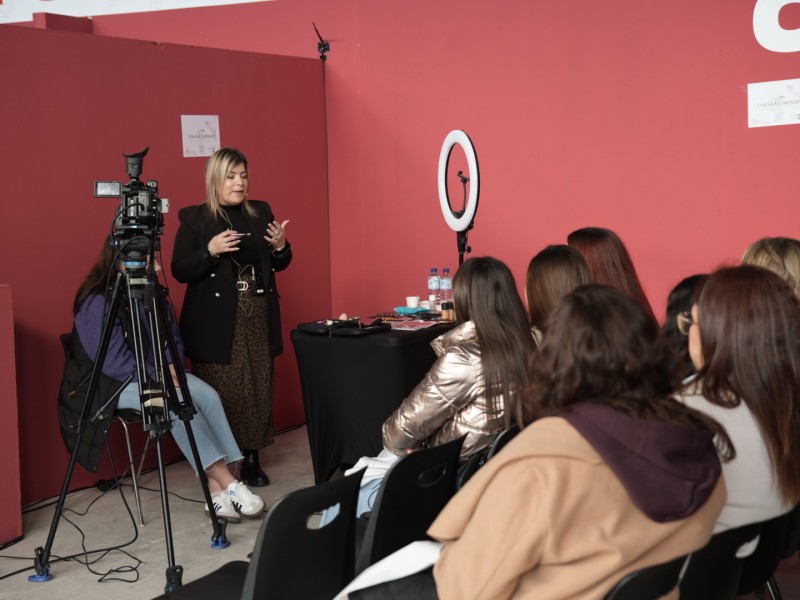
(120, 360)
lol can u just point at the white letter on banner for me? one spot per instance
(768, 30)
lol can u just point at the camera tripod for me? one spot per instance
(139, 285)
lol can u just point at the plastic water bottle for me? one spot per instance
(433, 287)
(445, 286)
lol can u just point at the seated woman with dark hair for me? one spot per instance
(745, 342)
(481, 367)
(552, 273)
(609, 262)
(612, 476)
(473, 387)
(215, 442)
(676, 324)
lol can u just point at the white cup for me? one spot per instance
(412, 301)
(426, 304)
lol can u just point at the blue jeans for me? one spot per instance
(210, 425)
(366, 500)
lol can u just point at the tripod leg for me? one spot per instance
(41, 561)
(218, 539)
(174, 578)
(174, 572)
(185, 410)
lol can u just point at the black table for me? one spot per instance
(352, 384)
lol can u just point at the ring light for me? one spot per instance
(459, 222)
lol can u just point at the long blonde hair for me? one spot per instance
(780, 255)
(217, 168)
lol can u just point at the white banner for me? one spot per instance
(21, 11)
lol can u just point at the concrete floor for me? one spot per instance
(288, 463)
(106, 523)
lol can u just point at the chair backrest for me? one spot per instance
(290, 560)
(66, 342)
(501, 440)
(649, 583)
(413, 493)
(778, 540)
(714, 570)
(471, 466)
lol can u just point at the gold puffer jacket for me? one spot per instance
(449, 402)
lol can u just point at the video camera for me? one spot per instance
(139, 220)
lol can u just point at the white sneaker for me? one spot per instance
(245, 501)
(223, 507)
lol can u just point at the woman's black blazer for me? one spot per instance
(210, 304)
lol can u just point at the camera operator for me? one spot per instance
(227, 250)
(215, 442)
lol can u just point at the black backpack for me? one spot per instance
(74, 385)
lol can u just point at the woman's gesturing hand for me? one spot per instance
(276, 234)
(227, 241)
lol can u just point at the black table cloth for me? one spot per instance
(352, 384)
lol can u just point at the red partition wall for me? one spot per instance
(72, 103)
(10, 499)
(625, 114)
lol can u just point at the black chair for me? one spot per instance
(125, 417)
(779, 539)
(468, 468)
(502, 439)
(413, 492)
(290, 560)
(714, 570)
(649, 583)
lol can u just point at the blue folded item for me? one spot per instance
(405, 310)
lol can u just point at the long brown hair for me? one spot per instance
(602, 347)
(553, 273)
(485, 293)
(749, 320)
(609, 262)
(98, 278)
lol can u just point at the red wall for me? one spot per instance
(625, 114)
(10, 499)
(71, 104)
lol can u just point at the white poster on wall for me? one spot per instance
(200, 134)
(773, 103)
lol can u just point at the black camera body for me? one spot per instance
(139, 220)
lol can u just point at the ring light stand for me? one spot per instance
(461, 221)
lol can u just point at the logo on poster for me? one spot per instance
(205, 141)
(777, 103)
(767, 27)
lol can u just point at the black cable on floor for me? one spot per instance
(117, 484)
(104, 577)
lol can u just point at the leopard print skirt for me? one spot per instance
(246, 385)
